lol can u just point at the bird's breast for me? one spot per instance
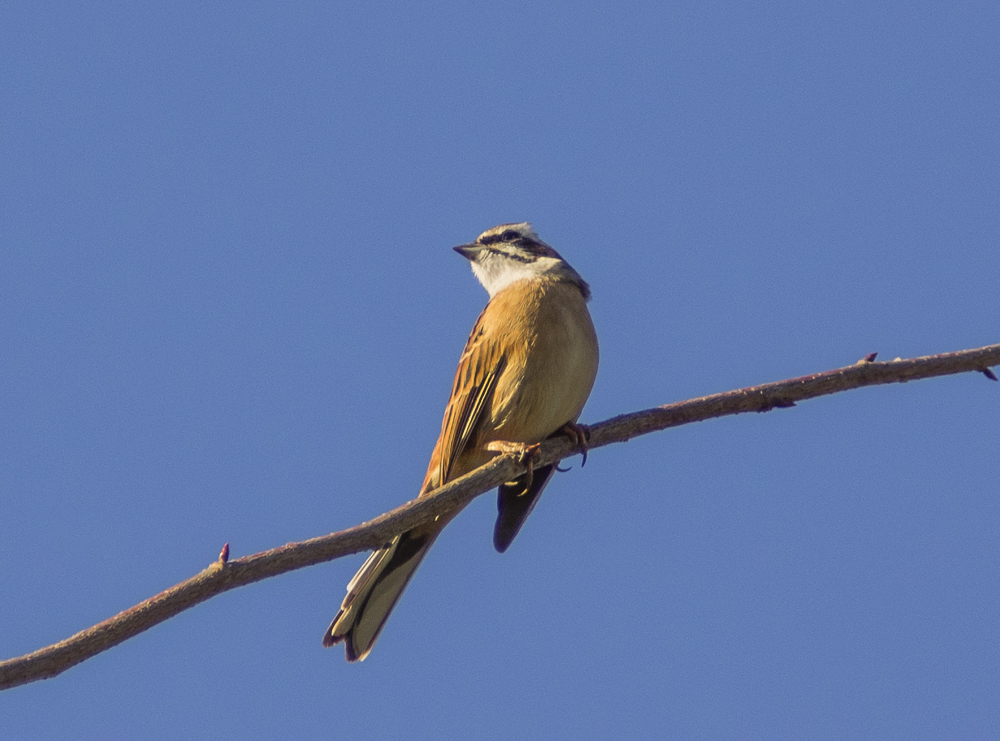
(552, 358)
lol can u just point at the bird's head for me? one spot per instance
(511, 252)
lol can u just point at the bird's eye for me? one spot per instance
(510, 236)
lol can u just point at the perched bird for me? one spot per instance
(525, 374)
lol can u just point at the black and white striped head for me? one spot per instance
(512, 252)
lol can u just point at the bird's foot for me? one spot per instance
(580, 435)
(526, 454)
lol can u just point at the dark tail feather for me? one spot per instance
(514, 504)
(374, 591)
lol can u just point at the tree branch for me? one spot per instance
(223, 575)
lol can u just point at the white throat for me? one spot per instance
(496, 273)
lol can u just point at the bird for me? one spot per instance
(525, 374)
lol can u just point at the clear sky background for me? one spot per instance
(229, 311)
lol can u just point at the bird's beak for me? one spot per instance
(469, 251)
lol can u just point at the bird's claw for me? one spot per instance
(580, 435)
(526, 455)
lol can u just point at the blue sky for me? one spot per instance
(229, 311)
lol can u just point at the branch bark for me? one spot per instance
(223, 575)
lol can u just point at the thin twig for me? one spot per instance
(223, 575)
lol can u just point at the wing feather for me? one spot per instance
(479, 369)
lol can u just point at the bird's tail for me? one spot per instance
(374, 591)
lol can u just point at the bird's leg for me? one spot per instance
(580, 435)
(526, 454)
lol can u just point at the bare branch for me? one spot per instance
(223, 575)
